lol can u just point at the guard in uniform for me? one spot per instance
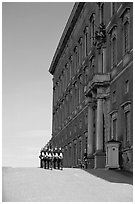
(50, 158)
(41, 159)
(45, 158)
(85, 159)
(55, 157)
(60, 158)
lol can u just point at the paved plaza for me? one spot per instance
(69, 185)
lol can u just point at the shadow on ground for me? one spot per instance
(115, 176)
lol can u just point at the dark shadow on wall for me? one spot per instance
(115, 176)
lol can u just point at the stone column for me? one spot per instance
(90, 130)
(90, 136)
(99, 127)
(99, 154)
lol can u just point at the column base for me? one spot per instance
(99, 160)
(90, 164)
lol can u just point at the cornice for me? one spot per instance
(66, 34)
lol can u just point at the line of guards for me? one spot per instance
(51, 158)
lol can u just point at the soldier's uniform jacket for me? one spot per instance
(55, 153)
(50, 154)
(60, 154)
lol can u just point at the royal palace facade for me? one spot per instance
(93, 84)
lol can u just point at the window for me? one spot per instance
(76, 61)
(126, 36)
(126, 29)
(127, 126)
(71, 67)
(80, 51)
(114, 51)
(70, 101)
(80, 88)
(86, 42)
(64, 79)
(92, 29)
(68, 73)
(113, 37)
(76, 95)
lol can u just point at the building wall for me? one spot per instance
(74, 73)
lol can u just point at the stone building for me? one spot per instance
(93, 83)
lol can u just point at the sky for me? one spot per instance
(30, 34)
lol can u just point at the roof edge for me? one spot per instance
(66, 33)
